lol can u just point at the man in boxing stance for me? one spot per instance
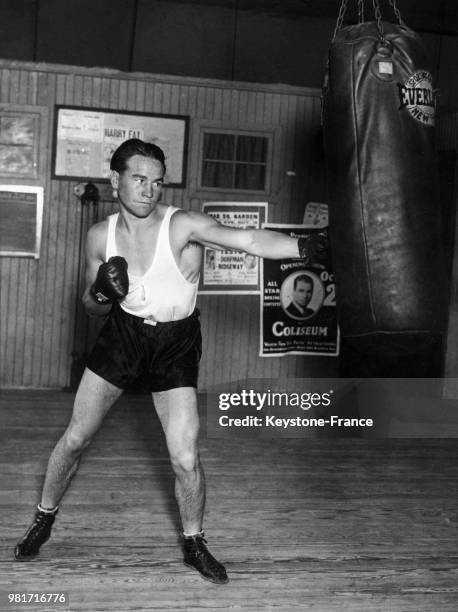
(142, 268)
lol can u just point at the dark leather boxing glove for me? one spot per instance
(112, 282)
(314, 247)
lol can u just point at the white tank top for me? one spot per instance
(162, 293)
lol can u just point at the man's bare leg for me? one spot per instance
(177, 411)
(94, 398)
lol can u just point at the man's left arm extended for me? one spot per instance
(259, 242)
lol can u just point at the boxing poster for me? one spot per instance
(225, 271)
(86, 138)
(298, 305)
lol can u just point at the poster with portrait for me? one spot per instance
(298, 306)
(226, 271)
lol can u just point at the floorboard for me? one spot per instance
(318, 524)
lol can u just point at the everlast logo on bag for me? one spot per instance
(418, 97)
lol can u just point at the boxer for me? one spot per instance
(142, 269)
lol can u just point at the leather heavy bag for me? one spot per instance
(383, 194)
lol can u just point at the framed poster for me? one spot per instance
(86, 138)
(22, 132)
(21, 214)
(226, 271)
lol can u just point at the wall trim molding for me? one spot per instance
(111, 73)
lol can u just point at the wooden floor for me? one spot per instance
(319, 525)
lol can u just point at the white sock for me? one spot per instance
(190, 535)
(52, 511)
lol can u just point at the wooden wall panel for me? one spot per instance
(39, 299)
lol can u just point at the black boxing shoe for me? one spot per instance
(37, 534)
(197, 555)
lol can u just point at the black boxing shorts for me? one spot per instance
(134, 355)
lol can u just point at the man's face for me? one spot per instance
(303, 293)
(139, 185)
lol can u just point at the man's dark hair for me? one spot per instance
(303, 278)
(132, 147)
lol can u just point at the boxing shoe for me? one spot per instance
(197, 555)
(37, 534)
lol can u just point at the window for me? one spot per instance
(235, 161)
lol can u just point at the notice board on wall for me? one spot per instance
(86, 138)
(21, 213)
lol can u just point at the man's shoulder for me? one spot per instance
(186, 221)
(182, 216)
(98, 229)
(97, 233)
(291, 308)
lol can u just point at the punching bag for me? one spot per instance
(385, 225)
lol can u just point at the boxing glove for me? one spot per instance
(112, 282)
(314, 247)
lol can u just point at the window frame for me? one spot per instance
(253, 131)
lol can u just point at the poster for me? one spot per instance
(316, 214)
(19, 142)
(298, 306)
(227, 271)
(85, 140)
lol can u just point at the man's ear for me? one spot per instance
(114, 179)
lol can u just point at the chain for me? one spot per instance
(396, 11)
(377, 12)
(340, 18)
(378, 17)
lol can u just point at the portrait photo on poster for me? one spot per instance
(302, 295)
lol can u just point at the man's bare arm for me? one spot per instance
(259, 242)
(93, 261)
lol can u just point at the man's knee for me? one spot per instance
(75, 440)
(185, 461)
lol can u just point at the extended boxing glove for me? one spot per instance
(314, 247)
(112, 282)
